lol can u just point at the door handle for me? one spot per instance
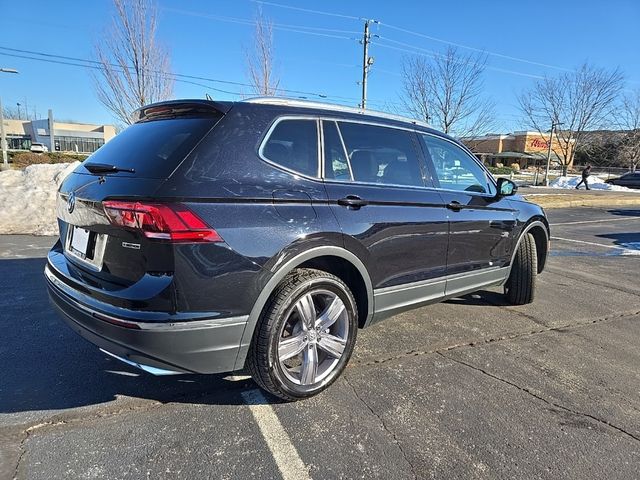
(455, 206)
(353, 202)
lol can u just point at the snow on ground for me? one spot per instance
(595, 183)
(29, 198)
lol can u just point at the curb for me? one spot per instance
(599, 201)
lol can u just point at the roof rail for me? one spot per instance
(294, 102)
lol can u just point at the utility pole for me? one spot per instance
(367, 61)
(3, 139)
(52, 140)
(546, 174)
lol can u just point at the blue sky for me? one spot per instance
(208, 38)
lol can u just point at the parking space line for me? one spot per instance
(627, 251)
(595, 221)
(284, 452)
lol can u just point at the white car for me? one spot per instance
(39, 148)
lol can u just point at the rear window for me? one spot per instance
(154, 148)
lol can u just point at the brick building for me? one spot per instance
(527, 149)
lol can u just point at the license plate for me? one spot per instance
(80, 240)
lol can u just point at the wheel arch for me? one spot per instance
(335, 260)
(539, 229)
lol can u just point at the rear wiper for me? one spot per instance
(106, 168)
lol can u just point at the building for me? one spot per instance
(68, 137)
(527, 149)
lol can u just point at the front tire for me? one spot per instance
(521, 285)
(305, 335)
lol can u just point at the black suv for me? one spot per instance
(213, 236)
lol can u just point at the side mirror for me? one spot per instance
(506, 187)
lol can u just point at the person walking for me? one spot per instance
(585, 176)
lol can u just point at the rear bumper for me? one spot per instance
(208, 345)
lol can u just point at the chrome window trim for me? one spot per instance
(321, 177)
(267, 135)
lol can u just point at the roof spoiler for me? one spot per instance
(177, 108)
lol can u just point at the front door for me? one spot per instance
(480, 224)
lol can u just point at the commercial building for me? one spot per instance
(67, 136)
(527, 149)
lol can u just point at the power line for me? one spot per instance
(429, 53)
(178, 76)
(422, 35)
(317, 31)
(306, 10)
(488, 52)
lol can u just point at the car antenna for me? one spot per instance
(208, 97)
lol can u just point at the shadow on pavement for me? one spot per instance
(46, 366)
(628, 240)
(625, 212)
(481, 298)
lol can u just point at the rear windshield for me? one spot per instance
(154, 148)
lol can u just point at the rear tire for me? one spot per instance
(521, 285)
(305, 335)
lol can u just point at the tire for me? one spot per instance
(521, 285)
(305, 297)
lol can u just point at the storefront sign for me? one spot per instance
(538, 143)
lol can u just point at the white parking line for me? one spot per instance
(595, 221)
(625, 251)
(284, 453)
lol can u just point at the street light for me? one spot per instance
(546, 174)
(3, 139)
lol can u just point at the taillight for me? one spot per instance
(173, 222)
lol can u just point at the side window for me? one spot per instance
(293, 144)
(455, 169)
(335, 160)
(381, 155)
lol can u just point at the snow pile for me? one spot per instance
(29, 198)
(596, 183)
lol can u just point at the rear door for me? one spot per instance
(375, 182)
(480, 225)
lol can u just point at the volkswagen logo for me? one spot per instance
(71, 202)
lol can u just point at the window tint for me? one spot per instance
(293, 144)
(154, 148)
(381, 155)
(335, 160)
(454, 168)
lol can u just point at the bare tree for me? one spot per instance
(12, 113)
(448, 92)
(581, 100)
(134, 67)
(629, 122)
(260, 59)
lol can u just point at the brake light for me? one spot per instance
(173, 222)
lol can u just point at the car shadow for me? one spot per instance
(625, 212)
(46, 366)
(628, 240)
(482, 298)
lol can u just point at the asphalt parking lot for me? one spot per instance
(471, 388)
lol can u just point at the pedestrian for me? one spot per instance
(585, 175)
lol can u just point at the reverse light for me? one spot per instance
(173, 222)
